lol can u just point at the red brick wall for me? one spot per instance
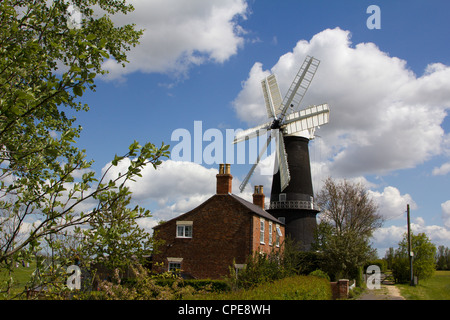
(221, 232)
(257, 246)
(221, 235)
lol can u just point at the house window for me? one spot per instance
(261, 231)
(277, 236)
(270, 233)
(174, 266)
(282, 197)
(184, 229)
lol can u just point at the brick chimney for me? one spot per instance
(259, 197)
(224, 179)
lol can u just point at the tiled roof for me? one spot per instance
(255, 209)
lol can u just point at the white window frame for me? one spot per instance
(270, 233)
(184, 229)
(278, 234)
(282, 197)
(261, 231)
(174, 261)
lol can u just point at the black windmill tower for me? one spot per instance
(292, 197)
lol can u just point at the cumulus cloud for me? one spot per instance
(391, 203)
(175, 187)
(383, 117)
(446, 213)
(179, 35)
(386, 237)
(442, 170)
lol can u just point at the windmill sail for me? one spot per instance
(307, 119)
(300, 84)
(252, 132)
(272, 95)
(287, 123)
(282, 162)
(250, 173)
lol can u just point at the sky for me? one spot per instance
(195, 79)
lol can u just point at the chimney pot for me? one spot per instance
(259, 197)
(224, 179)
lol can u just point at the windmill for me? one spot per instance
(291, 197)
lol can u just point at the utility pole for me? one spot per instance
(410, 253)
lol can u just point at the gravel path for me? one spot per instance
(387, 292)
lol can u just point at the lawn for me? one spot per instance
(435, 288)
(21, 276)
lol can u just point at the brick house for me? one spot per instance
(225, 229)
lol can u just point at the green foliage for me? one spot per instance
(46, 66)
(296, 261)
(381, 263)
(198, 284)
(260, 268)
(348, 219)
(443, 258)
(145, 286)
(423, 259)
(289, 288)
(320, 274)
(435, 288)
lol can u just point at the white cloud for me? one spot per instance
(386, 237)
(446, 213)
(180, 34)
(442, 170)
(175, 186)
(383, 117)
(391, 203)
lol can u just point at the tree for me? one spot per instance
(347, 221)
(114, 239)
(389, 257)
(443, 258)
(424, 256)
(45, 67)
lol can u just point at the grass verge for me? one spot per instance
(291, 288)
(435, 288)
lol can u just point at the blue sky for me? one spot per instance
(202, 60)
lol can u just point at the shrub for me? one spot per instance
(260, 268)
(381, 263)
(401, 269)
(320, 274)
(197, 284)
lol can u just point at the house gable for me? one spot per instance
(207, 240)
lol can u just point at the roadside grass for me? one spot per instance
(21, 276)
(290, 288)
(435, 288)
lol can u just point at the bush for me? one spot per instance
(260, 268)
(401, 270)
(381, 263)
(197, 284)
(320, 274)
